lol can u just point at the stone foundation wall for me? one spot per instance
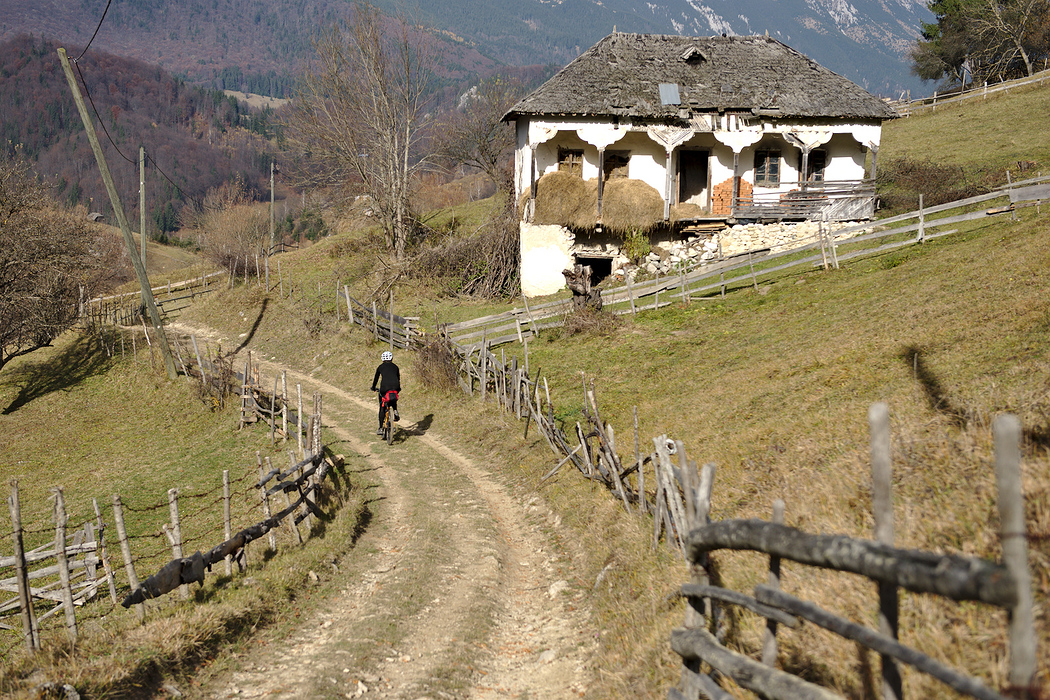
(669, 256)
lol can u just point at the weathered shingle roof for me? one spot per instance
(622, 73)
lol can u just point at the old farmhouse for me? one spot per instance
(672, 135)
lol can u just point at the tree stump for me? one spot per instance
(584, 297)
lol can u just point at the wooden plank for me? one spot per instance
(698, 644)
(952, 576)
(876, 642)
(725, 595)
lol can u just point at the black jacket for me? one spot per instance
(388, 377)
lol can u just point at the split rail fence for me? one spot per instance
(907, 108)
(126, 309)
(959, 578)
(678, 498)
(58, 567)
(827, 249)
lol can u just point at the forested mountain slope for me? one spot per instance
(195, 139)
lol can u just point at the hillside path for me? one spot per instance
(472, 581)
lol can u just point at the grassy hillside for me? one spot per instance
(772, 386)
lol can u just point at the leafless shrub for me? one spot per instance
(436, 365)
(485, 264)
(902, 180)
(229, 227)
(586, 320)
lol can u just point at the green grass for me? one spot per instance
(988, 135)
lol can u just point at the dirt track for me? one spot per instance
(499, 619)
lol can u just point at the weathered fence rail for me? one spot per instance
(960, 578)
(125, 309)
(907, 108)
(746, 268)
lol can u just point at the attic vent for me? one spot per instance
(693, 55)
(669, 94)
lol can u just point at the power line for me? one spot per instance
(101, 20)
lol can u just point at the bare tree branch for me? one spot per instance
(361, 111)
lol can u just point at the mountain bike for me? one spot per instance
(388, 416)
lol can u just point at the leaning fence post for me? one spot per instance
(125, 549)
(288, 504)
(103, 552)
(63, 563)
(1007, 430)
(266, 500)
(284, 406)
(299, 419)
(227, 526)
(25, 600)
(882, 506)
(769, 636)
(176, 535)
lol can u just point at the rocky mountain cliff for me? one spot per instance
(257, 45)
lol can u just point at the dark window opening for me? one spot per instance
(571, 160)
(767, 168)
(616, 164)
(818, 160)
(601, 268)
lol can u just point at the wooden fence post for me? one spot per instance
(769, 636)
(266, 499)
(288, 504)
(227, 525)
(299, 419)
(125, 549)
(197, 352)
(176, 528)
(483, 365)
(63, 563)
(643, 506)
(25, 599)
(1007, 431)
(882, 505)
(104, 553)
(284, 405)
(922, 222)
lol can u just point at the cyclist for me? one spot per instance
(387, 379)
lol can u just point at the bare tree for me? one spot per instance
(475, 135)
(47, 259)
(1008, 32)
(360, 112)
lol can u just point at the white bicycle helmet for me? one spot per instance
(387, 356)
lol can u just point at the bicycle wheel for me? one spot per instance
(388, 426)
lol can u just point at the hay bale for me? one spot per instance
(631, 205)
(566, 200)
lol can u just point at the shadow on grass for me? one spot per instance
(82, 358)
(251, 333)
(1033, 436)
(421, 427)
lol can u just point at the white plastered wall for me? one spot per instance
(546, 250)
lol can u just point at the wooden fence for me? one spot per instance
(401, 332)
(53, 572)
(126, 309)
(955, 577)
(907, 108)
(744, 269)
(678, 498)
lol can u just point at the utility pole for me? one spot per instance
(118, 210)
(272, 234)
(142, 203)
